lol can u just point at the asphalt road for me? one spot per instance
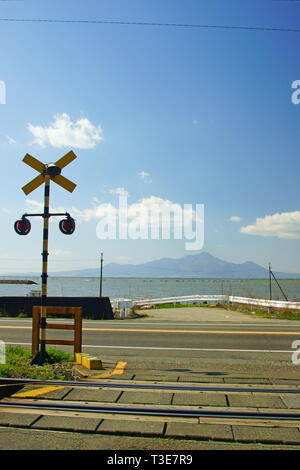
(183, 338)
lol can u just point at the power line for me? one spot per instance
(139, 23)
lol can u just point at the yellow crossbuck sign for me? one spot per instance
(56, 177)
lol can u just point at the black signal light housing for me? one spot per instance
(22, 226)
(67, 226)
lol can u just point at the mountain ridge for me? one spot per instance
(202, 265)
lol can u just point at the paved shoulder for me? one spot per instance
(203, 314)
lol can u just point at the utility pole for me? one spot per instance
(101, 269)
(285, 297)
(270, 284)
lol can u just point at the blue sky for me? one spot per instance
(180, 114)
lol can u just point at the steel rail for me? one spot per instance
(131, 410)
(196, 388)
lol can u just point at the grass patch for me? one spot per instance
(183, 305)
(284, 314)
(18, 365)
(172, 305)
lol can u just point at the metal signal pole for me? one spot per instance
(45, 267)
(42, 357)
(270, 283)
(50, 171)
(101, 269)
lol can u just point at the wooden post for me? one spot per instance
(35, 330)
(78, 331)
(76, 327)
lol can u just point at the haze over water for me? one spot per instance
(139, 288)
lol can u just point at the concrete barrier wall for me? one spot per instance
(92, 307)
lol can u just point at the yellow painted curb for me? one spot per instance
(118, 370)
(78, 358)
(90, 362)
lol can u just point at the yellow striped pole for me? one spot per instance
(45, 265)
(42, 356)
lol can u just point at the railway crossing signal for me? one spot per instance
(47, 172)
(67, 226)
(52, 170)
(22, 226)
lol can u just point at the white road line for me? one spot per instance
(175, 349)
(126, 324)
(189, 349)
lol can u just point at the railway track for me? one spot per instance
(152, 386)
(173, 411)
(150, 411)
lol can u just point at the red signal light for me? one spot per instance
(22, 226)
(67, 226)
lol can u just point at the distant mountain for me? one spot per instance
(202, 265)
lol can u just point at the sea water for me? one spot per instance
(141, 288)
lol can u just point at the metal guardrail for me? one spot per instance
(265, 303)
(183, 299)
(221, 299)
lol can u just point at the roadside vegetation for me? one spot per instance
(18, 365)
(281, 314)
(21, 314)
(177, 305)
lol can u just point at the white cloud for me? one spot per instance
(138, 211)
(98, 211)
(120, 191)
(34, 206)
(62, 132)
(152, 217)
(6, 139)
(145, 176)
(235, 218)
(10, 140)
(160, 216)
(38, 207)
(93, 213)
(284, 225)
